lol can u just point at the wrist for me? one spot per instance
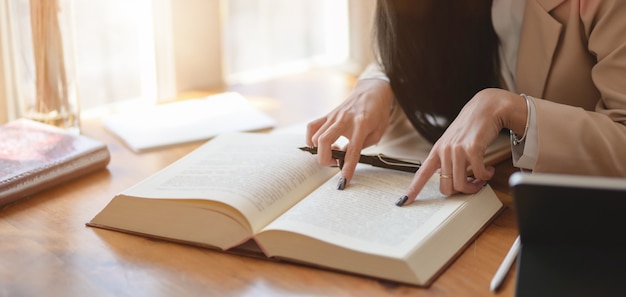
(518, 135)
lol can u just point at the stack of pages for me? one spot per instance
(187, 121)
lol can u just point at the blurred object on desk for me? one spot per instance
(43, 65)
(36, 156)
(187, 121)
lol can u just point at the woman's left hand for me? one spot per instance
(465, 141)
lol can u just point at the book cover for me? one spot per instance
(35, 156)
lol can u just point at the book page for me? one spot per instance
(364, 216)
(260, 175)
(401, 140)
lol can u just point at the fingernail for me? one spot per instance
(342, 183)
(340, 164)
(402, 200)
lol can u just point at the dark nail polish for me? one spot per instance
(340, 164)
(402, 200)
(342, 183)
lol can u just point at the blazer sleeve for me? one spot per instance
(590, 141)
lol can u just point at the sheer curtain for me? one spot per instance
(266, 38)
(112, 45)
(146, 50)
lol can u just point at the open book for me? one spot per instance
(240, 188)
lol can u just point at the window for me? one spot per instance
(115, 51)
(148, 50)
(265, 38)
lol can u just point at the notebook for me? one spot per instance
(572, 235)
(35, 156)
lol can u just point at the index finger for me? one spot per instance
(423, 174)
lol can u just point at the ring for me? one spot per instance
(445, 175)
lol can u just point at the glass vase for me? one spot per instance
(45, 75)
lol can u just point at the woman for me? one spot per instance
(553, 72)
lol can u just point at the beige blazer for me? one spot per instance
(572, 60)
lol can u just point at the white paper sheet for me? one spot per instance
(187, 121)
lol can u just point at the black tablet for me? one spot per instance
(572, 233)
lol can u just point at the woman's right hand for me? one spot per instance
(362, 118)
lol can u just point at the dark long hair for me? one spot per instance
(437, 55)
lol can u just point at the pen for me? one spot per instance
(505, 266)
(378, 160)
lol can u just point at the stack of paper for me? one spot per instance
(187, 121)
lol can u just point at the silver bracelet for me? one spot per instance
(514, 137)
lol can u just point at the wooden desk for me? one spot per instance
(46, 249)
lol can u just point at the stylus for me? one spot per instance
(505, 266)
